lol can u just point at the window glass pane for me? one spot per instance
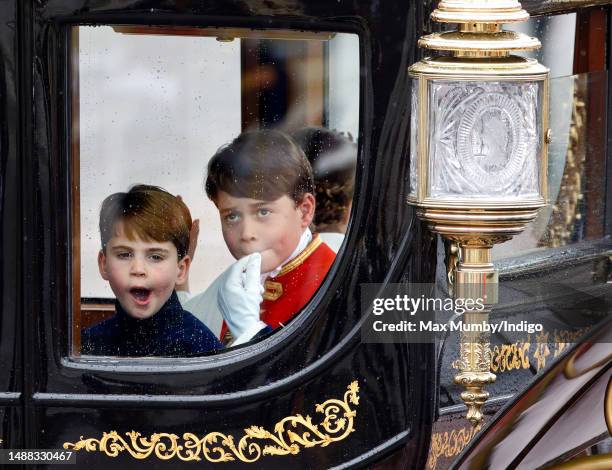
(558, 37)
(573, 47)
(152, 105)
(152, 108)
(576, 203)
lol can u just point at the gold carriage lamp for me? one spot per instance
(478, 154)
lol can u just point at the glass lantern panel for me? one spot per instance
(484, 139)
(414, 136)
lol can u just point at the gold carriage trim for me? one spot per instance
(287, 437)
(299, 259)
(449, 444)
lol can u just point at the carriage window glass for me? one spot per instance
(150, 106)
(574, 48)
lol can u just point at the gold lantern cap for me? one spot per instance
(480, 33)
(478, 11)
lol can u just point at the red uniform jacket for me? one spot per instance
(288, 292)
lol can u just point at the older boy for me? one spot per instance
(145, 237)
(262, 185)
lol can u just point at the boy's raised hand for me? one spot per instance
(239, 296)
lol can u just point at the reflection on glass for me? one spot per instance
(414, 137)
(574, 50)
(557, 34)
(153, 105)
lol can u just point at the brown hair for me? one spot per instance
(333, 158)
(147, 212)
(262, 165)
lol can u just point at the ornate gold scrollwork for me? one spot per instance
(451, 259)
(529, 352)
(449, 444)
(336, 425)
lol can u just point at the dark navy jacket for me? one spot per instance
(170, 332)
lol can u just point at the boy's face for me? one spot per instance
(141, 274)
(272, 228)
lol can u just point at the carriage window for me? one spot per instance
(150, 107)
(578, 119)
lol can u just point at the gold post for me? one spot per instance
(476, 279)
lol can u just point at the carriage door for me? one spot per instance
(121, 96)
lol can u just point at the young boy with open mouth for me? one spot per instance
(145, 238)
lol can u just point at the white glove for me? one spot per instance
(240, 293)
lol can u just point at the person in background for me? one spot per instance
(333, 158)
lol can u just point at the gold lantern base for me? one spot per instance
(475, 278)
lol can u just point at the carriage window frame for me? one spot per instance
(71, 356)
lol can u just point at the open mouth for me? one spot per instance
(140, 295)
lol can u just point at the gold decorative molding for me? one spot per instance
(570, 371)
(474, 362)
(256, 442)
(451, 259)
(542, 350)
(449, 444)
(299, 259)
(587, 462)
(530, 352)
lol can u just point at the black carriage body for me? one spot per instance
(49, 398)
